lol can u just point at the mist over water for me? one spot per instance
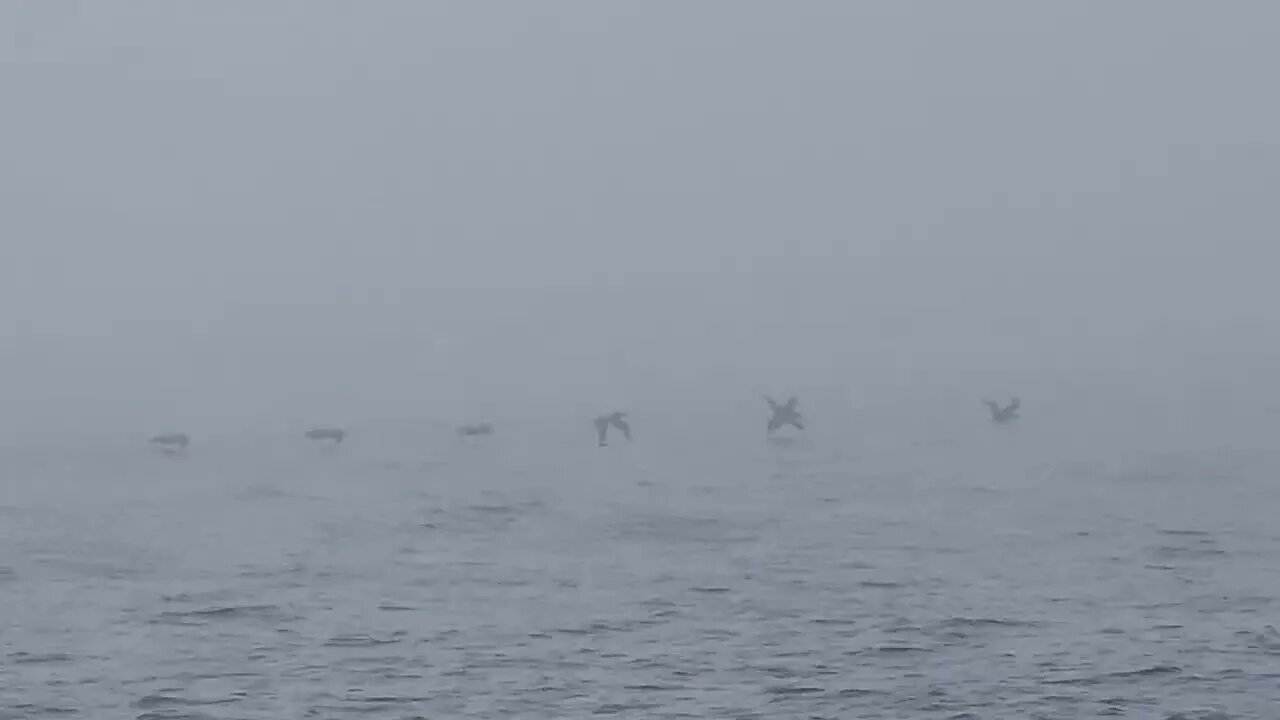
(403, 217)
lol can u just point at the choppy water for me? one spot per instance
(816, 580)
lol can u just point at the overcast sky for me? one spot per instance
(262, 213)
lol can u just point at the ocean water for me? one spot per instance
(995, 574)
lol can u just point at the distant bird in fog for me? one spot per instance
(474, 430)
(336, 435)
(784, 414)
(1005, 414)
(604, 422)
(172, 442)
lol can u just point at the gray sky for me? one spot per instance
(224, 214)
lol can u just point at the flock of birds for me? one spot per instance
(780, 416)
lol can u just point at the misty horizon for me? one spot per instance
(216, 218)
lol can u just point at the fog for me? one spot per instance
(219, 216)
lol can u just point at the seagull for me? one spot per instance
(784, 414)
(337, 435)
(473, 430)
(171, 442)
(617, 420)
(1005, 414)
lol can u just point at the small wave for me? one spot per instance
(23, 658)
(362, 640)
(953, 622)
(264, 492)
(1177, 551)
(778, 672)
(148, 702)
(859, 692)
(1199, 714)
(617, 708)
(654, 688)
(1154, 670)
(27, 710)
(257, 571)
(695, 530)
(880, 584)
(493, 509)
(1147, 671)
(388, 699)
(91, 568)
(224, 611)
(891, 649)
(601, 626)
(902, 625)
(232, 612)
(793, 690)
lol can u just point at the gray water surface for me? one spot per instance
(820, 579)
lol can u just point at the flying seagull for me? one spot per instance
(473, 430)
(172, 442)
(1005, 414)
(337, 435)
(617, 420)
(785, 414)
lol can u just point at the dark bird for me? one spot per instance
(617, 420)
(1005, 414)
(336, 435)
(474, 430)
(172, 442)
(785, 414)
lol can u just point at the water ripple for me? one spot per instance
(816, 586)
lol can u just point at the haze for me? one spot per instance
(232, 215)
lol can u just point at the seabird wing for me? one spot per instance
(618, 422)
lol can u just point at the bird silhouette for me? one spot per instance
(784, 414)
(616, 420)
